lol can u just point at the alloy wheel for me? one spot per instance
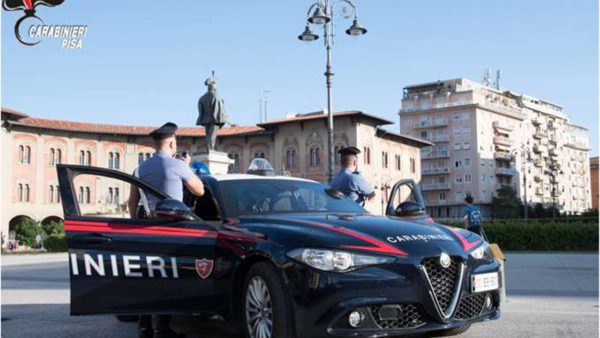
(259, 309)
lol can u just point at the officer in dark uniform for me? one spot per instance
(349, 181)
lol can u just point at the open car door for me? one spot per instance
(406, 201)
(127, 265)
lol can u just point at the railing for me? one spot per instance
(431, 123)
(576, 145)
(433, 155)
(502, 155)
(443, 138)
(435, 186)
(500, 125)
(435, 171)
(506, 171)
(503, 140)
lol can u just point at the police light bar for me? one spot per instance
(260, 166)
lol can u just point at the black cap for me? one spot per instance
(167, 130)
(349, 151)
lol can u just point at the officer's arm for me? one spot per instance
(195, 186)
(364, 187)
(134, 198)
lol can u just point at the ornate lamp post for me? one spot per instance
(321, 13)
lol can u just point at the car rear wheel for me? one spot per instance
(453, 331)
(265, 311)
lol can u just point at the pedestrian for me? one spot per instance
(472, 217)
(168, 174)
(349, 181)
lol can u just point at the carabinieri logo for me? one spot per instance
(71, 35)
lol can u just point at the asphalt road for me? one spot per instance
(549, 295)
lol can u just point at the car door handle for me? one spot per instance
(93, 238)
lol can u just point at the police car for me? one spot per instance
(272, 256)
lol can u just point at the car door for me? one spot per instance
(120, 264)
(406, 201)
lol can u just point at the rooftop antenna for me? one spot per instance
(487, 78)
(263, 105)
(498, 77)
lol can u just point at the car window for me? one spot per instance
(101, 196)
(256, 197)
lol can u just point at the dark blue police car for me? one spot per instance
(273, 256)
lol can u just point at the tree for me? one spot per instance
(27, 230)
(506, 203)
(539, 211)
(53, 228)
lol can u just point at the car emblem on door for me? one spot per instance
(204, 267)
(445, 260)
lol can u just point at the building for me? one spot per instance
(31, 147)
(594, 180)
(486, 138)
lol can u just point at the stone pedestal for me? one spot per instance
(217, 161)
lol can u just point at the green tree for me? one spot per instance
(26, 231)
(53, 228)
(506, 203)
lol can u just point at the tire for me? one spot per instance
(265, 305)
(127, 318)
(453, 331)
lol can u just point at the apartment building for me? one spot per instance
(485, 138)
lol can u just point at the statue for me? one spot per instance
(211, 112)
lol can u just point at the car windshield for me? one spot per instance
(270, 196)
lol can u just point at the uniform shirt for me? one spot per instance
(351, 184)
(165, 173)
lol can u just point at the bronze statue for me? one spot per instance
(211, 112)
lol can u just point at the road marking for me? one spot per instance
(578, 313)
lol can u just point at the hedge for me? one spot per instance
(533, 235)
(56, 243)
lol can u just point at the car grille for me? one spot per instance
(471, 306)
(407, 316)
(443, 280)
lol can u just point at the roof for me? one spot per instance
(321, 115)
(417, 142)
(13, 114)
(115, 129)
(234, 177)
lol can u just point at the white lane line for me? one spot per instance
(576, 313)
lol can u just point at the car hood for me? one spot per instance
(377, 234)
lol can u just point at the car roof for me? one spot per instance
(234, 177)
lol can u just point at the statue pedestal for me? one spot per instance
(217, 161)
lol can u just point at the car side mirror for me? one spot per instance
(173, 210)
(409, 208)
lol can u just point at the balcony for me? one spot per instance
(577, 145)
(553, 152)
(539, 191)
(506, 171)
(536, 121)
(540, 134)
(537, 178)
(439, 138)
(502, 155)
(538, 149)
(502, 126)
(435, 186)
(435, 155)
(538, 163)
(503, 140)
(435, 123)
(435, 171)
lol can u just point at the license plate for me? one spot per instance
(484, 282)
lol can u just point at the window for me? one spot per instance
(413, 166)
(442, 196)
(26, 193)
(457, 146)
(82, 157)
(140, 158)
(51, 194)
(482, 178)
(458, 164)
(260, 154)
(52, 156)
(337, 155)
(20, 193)
(116, 196)
(148, 155)
(88, 160)
(57, 191)
(117, 162)
(235, 166)
(384, 159)
(424, 134)
(466, 146)
(367, 155)
(467, 178)
(458, 180)
(114, 160)
(458, 196)
(466, 130)
(24, 154)
(87, 195)
(315, 160)
(398, 162)
(80, 195)
(85, 157)
(457, 131)
(110, 195)
(290, 156)
(467, 162)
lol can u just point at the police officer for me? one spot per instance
(169, 175)
(348, 180)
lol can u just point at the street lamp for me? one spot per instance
(553, 170)
(525, 158)
(321, 13)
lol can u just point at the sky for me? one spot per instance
(144, 62)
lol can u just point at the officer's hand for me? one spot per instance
(187, 158)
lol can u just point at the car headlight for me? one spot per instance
(338, 261)
(482, 252)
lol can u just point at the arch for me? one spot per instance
(50, 219)
(13, 223)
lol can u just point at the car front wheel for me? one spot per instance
(265, 307)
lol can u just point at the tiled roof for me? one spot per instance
(14, 113)
(322, 115)
(115, 129)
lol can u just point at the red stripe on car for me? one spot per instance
(86, 226)
(465, 244)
